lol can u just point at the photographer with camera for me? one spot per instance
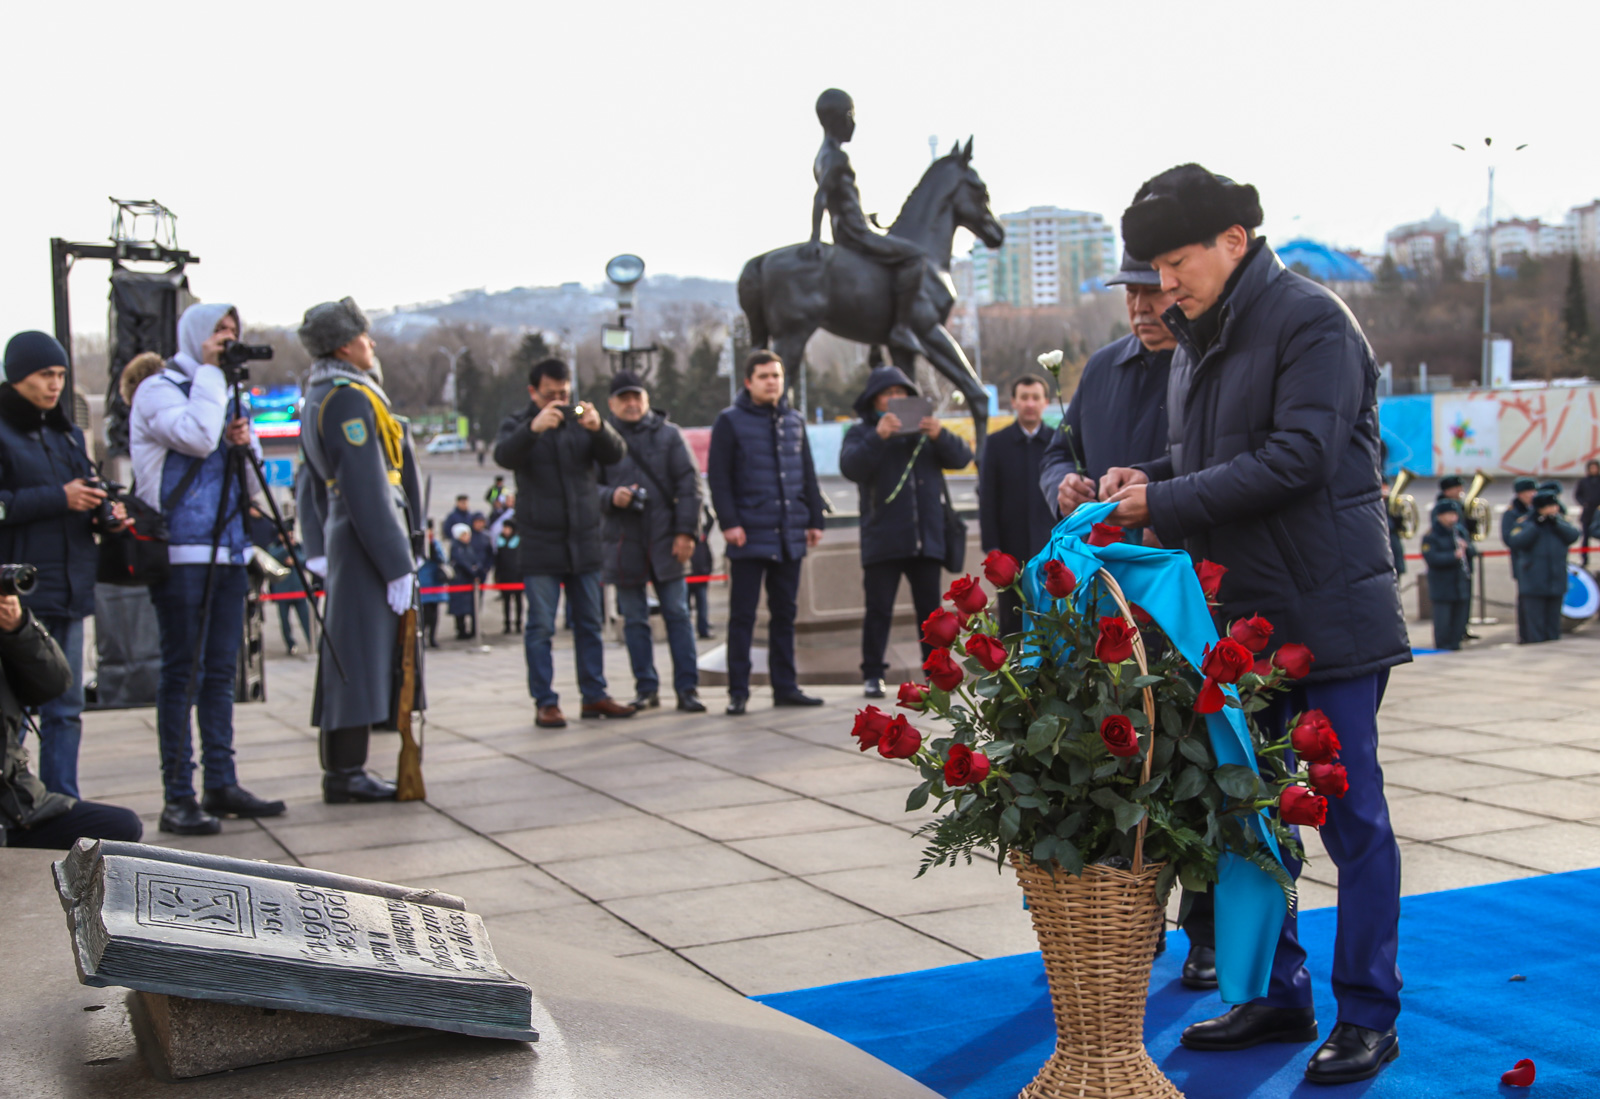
(50, 505)
(33, 671)
(179, 433)
(554, 446)
(651, 504)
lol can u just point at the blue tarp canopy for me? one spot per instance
(1323, 263)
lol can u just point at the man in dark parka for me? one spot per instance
(1539, 542)
(901, 481)
(1272, 472)
(362, 529)
(555, 449)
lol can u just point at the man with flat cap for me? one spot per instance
(363, 517)
(1272, 471)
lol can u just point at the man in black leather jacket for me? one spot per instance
(1272, 471)
(33, 670)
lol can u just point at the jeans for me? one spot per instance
(288, 607)
(583, 601)
(634, 607)
(178, 601)
(61, 719)
(880, 584)
(744, 596)
(91, 819)
(700, 596)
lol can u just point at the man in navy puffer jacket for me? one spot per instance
(764, 489)
(178, 433)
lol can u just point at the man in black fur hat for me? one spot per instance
(1272, 471)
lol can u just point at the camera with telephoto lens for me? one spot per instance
(17, 579)
(641, 497)
(234, 356)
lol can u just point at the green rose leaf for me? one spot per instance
(1010, 823)
(1127, 815)
(1145, 681)
(1195, 751)
(1191, 780)
(1069, 826)
(1237, 781)
(1142, 792)
(1045, 849)
(1106, 798)
(1068, 856)
(1023, 784)
(1041, 733)
(918, 797)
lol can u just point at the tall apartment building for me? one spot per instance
(1048, 256)
(1585, 222)
(1518, 239)
(1424, 245)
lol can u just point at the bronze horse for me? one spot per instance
(787, 295)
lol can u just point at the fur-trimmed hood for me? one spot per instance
(144, 365)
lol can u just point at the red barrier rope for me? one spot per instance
(278, 597)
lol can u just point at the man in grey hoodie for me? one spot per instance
(179, 432)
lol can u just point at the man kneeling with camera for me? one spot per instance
(33, 671)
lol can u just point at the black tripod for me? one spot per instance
(240, 462)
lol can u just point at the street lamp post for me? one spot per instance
(1488, 266)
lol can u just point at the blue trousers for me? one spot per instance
(1361, 843)
(178, 601)
(583, 599)
(61, 719)
(634, 606)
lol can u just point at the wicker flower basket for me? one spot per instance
(1098, 934)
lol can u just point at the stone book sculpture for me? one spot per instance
(286, 937)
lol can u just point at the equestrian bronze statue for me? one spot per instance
(888, 289)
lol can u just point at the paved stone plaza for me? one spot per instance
(767, 854)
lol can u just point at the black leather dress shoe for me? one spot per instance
(1200, 968)
(690, 703)
(184, 817)
(1247, 1025)
(737, 703)
(872, 688)
(237, 802)
(1352, 1053)
(646, 701)
(346, 784)
(796, 698)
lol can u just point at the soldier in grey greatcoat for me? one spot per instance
(363, 518)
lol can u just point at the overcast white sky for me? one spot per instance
(400, 152)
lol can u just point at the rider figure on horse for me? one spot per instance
(837, 194)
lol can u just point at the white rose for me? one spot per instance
(1051, 360)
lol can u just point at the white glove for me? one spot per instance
(400, 593)
(317, 566)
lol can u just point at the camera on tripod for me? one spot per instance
(234, 356)
(17, 579)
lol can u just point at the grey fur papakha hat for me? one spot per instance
(331, 325)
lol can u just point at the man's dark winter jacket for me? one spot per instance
(33, 670)
(558, 509)
(1449, 576)
(762, 479)
(40, 451)
(1117, 416)
(1508, 520)
(1539, 551)
(638, 547)
(1013, 515)
(912, 525)
(1272, 469)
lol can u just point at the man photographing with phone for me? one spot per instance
(555, 446)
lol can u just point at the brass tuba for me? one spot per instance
(1403, 507)
(1478, 514)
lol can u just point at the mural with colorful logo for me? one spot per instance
(1541, 432)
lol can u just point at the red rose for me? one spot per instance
(941, 629)
(1117, 732)
(987, 651)
(1001, 569)
(870, 724)
(1313, 738)
(1210, 699)
(1105, 534)
(1210, 575)
(1252, 633)
(965, 767)
(1140, 615)
(1262, 667)
(1058, 579)
(899, 739)
(1329, 779)
(1297, 805)
(913, 696)
(1116, 640)
(1295, 660)
(1227, 662)
(1520, 1075)
(945, 673)
(967, 595)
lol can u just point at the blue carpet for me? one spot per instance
(982, 1029)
